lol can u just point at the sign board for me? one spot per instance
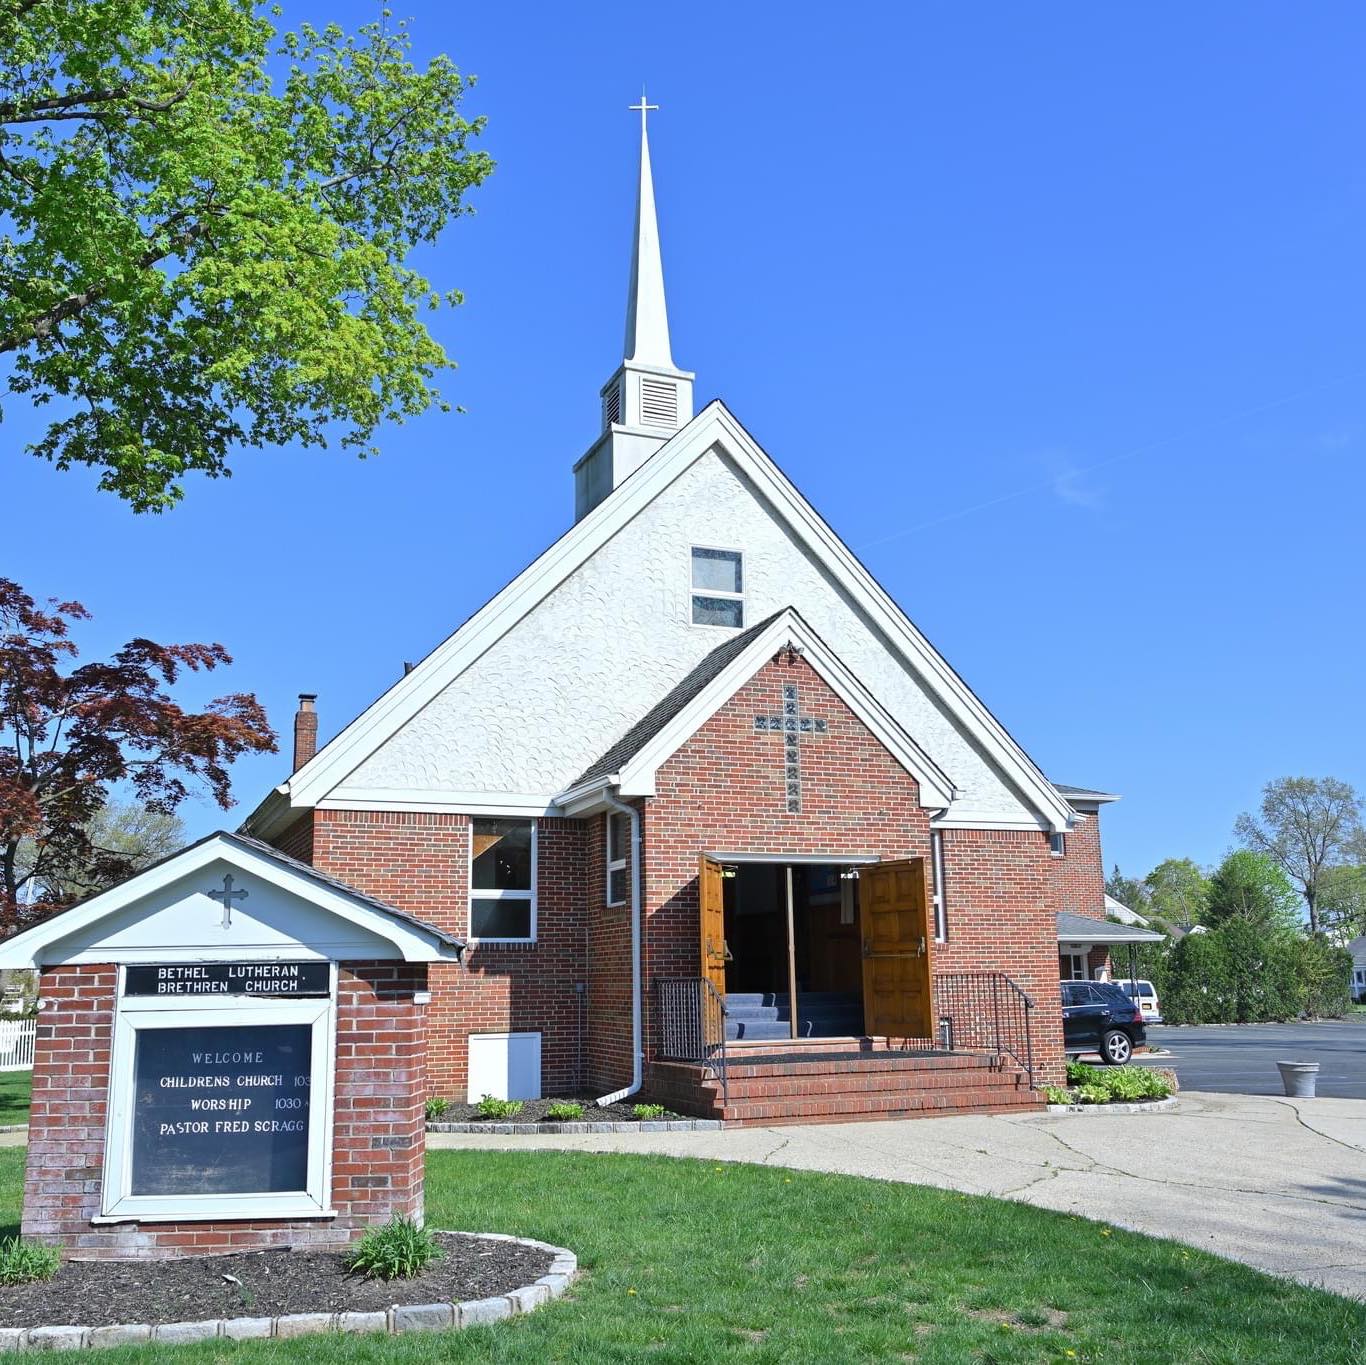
(229, 978)
(221, 1110)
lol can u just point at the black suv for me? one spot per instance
(1097, 1016)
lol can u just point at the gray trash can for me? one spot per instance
(1299, 1078)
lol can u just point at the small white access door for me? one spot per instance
(504, 1065)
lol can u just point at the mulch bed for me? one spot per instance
(265, 1284)
(534, 1111)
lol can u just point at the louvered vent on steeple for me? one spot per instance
(658, 402)
(611, 405)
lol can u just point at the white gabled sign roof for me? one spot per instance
(167, 912)
(713, 428)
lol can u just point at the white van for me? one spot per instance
(1144, 996)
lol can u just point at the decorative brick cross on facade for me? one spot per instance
(792, 725)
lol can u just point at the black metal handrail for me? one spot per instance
(691, 1016)
(985, 1011)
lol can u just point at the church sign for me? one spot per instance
(220, 1090)
(230, 1055)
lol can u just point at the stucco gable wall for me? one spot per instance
(538, 707)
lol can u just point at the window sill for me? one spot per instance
(292, 1214)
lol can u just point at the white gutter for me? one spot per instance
(637, 1042)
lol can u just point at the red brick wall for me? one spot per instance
(724, 790)
(379, 1131)
(419, 862)
(1079, 875)
(609, 967)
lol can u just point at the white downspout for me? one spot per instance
(637, 1042)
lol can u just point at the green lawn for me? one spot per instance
(690, 1261)
(14, 1092)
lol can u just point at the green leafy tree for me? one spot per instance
(206, 231)
(1308, 825)
(123, 837)
(1253, 888)
(1128, 891)
(1342, 902)
(1178, 892)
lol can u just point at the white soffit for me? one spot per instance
(713, 428)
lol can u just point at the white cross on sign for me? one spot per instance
(227, 895)
(792, 725)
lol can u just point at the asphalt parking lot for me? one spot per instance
(1240, 1059)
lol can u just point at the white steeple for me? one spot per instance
(648, 398)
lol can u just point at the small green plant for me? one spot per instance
(565, 1109)
(1078, 1073)
(1092, 1094)
(491, 1108)
(436, 1106)
(1057, 1094)
(395, 1251)
(649, 1111)
(23, 1262)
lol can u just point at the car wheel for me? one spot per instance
(1116, 1048)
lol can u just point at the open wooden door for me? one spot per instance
(894, 908)
(711, 899)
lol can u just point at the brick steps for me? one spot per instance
(813, 1084)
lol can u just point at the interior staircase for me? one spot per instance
(839, 1081)
(767, 1016)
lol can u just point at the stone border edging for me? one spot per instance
(1135, 1107)
(625, 1126)
(417, 1317)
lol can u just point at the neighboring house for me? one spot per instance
(1089, 936)
(695, 754)
(1357, 948)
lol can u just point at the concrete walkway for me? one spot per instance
(1279, 1184)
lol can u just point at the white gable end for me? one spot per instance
(533, 711)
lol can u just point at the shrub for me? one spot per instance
(649, 1111)
(23, 1262)
(436, 1106)
(491, 1108)
(1092, 1094)
(565, 1109)
(395, 1251)
(1057, 1094)
(1127, 1083)
(1078, 1073)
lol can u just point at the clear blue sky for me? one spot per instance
(1054, 312)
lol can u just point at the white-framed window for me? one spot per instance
(941, 910)
(1057, 844)
(1073, 966)
(502, 880)
(618, 841)
(209, 1102)
(718, 587)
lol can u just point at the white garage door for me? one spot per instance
(505, 1065)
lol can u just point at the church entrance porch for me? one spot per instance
(788, 925)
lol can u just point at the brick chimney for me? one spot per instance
(305, 730)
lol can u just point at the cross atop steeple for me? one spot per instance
(644, 109)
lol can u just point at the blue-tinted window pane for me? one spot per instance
(718, 611)
(717, 571)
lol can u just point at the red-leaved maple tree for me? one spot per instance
(70, 733)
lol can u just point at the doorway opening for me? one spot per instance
(821, 956)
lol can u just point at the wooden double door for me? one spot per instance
(894, 923)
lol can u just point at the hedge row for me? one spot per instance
(1242, 974)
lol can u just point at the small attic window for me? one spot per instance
(718, 587)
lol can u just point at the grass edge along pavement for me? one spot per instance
(690, 1260)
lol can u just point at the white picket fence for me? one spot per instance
(16, 1044)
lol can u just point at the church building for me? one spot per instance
(750, 846)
